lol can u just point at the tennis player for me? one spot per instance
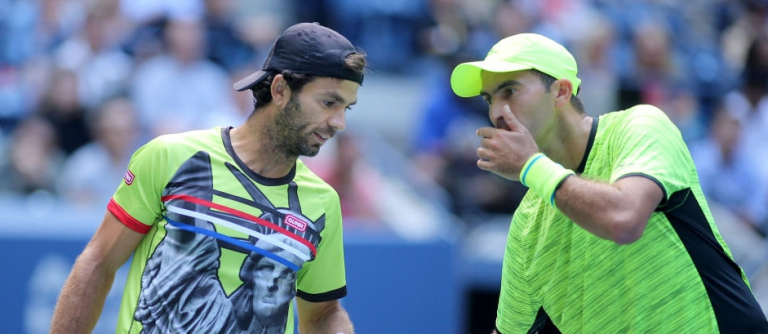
(614, 234)
(226, 226)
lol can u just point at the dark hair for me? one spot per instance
(547, 80)
(262, 92)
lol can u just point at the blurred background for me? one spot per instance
(83, 83)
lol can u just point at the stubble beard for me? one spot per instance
(289, 134)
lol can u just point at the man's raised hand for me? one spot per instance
(504, 152)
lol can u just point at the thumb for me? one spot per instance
(511, 120)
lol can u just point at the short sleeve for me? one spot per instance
(136, 202)
(648, 144)
(324, 278)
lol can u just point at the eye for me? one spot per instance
(329, 103)
(264, 266)
(507, 92)
(289, 275)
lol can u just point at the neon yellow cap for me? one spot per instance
(516, 53)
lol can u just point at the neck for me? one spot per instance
(253, 144)
(569, 139)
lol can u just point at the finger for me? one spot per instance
(484, 165)
(483, 153)
(511, 120)
(485, 132)
(486, 142)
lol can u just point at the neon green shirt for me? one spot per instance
(225, 250)
(679, 277)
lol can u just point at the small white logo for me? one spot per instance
(128, 177)
(295, 222)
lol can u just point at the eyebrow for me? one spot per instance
(501, 86)
(336, 97)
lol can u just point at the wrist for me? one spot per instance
(543, 176)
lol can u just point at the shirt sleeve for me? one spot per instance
(324, 278)
(650, 145)
(136, 202)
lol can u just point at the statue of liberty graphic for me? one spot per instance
(181, 291)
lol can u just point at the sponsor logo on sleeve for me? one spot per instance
(129, 177)
(295, 222)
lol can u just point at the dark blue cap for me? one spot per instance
(306, 48)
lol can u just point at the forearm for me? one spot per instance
(599, 208)
(335, 320)
(82, 298)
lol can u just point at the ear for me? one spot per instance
(563, 90)
(281, 93)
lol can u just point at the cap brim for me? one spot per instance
(250, 80)
(466, 80)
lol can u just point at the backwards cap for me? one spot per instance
(516, 53)
(306, 48)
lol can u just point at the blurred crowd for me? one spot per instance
(83, 83)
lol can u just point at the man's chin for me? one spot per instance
(312, 151)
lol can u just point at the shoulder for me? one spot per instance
(308, 179)
(640, 120)
(641, 113)
(646, 111)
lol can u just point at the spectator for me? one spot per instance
(29, 32)
(175, 90)
(749, 102)
(388, 30)
(55, 21)
(90, 175)
(33, 159)
(442, 149)
(652, 67)
(94, 54)
(225, 46)
(61, 106)
(595, 53)
(735, 40)
(232, 114)
(728, 174)
(683, 108)
(258, 32)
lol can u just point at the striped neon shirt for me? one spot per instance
(679, 277)
(225, 250)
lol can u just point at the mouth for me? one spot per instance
(322, 138)
(268, 300)
(502, 124)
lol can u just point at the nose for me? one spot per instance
(495, 109)
(338, 120)
(272, 284)
(496, 115)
